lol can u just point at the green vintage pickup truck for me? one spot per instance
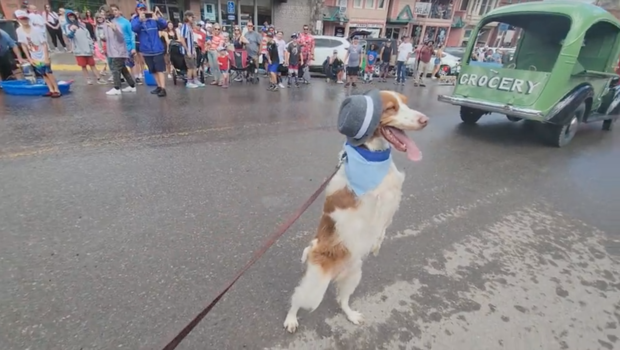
(562, 73)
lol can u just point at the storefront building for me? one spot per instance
(346, 17)
(422, 21)
(289, 16)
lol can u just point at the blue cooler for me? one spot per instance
(149, 79)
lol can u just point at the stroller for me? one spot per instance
(243, 67)
(177, 59)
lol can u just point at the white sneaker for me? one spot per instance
(89, 82)
(281, 86)
(169, 76)
(199, 84)
(113, 91)
(191, 85)
(111, 79)
(129, 89)
(340, 82)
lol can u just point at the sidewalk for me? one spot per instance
(65, 62)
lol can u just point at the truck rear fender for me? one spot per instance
(562, 112)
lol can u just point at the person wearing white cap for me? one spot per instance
(34, 44)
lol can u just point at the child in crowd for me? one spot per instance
(273, 59)
(371, 59)
(83, 46)
(100, 49)
(293, 59)
(223, 61)
(34, 44)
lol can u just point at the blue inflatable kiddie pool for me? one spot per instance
(25, 88)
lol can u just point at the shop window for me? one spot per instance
(381, 4)
(370, 4)
(208, 11)
(357, 4)
(464, 5)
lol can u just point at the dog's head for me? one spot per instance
(396, 118)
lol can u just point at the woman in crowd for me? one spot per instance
(53, 27)
(217, 41)
(437, 61)
(171, 36)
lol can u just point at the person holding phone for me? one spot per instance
(148, 25)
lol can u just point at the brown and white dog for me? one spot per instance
(353, 226)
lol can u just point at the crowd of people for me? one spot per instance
(126, 46)
(195, 50)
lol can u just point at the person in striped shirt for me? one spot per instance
(189, 49)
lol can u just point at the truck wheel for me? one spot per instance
(513, 119)
(561, 135)
(608, 124)
(470, 115)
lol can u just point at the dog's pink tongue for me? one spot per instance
(413, 152)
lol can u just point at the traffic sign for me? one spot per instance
(231, 7)
(503, 27)
(232, 17)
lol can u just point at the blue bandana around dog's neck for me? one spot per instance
(365, 169)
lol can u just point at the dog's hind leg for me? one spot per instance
(346, 283)
(308, 295)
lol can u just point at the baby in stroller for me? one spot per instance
(177, 59)
(243, 67)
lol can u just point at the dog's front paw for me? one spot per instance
(355, 317)
(291, 324)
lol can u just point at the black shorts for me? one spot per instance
(156, 64)
(353, 70)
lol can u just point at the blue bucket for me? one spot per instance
(149, 79)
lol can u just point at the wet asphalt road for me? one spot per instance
(120, 217)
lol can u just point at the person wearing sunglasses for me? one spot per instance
(306, 41)
(217, 41)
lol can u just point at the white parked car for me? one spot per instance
(324, 47)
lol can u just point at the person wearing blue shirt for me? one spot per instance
(148, 25)
(6, 57)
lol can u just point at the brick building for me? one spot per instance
(288, 15)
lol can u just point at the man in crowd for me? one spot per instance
(306, 40)
(405, 49)
(353, 60)
(279, 39)
(188, 42)
(148, 25)
(8, 47)
(120, 45)
(254, 42)
(425, 53)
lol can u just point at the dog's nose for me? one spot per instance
(423, 120)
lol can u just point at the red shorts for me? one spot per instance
(84, 61)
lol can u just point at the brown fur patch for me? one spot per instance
(391, 106)
(330, 252)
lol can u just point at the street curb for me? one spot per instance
(70, 67)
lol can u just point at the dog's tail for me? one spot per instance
(304, 255)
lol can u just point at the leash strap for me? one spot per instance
(257, 255)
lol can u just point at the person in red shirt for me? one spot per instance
(306, 40)
(425, 53)
(223, 61)
(200, 38)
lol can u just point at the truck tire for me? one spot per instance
(470, 116)
(562, 135)
(608, 124)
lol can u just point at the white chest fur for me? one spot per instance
(363, 227)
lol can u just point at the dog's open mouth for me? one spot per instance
(401, 142)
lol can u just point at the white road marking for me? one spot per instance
(535, 279)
